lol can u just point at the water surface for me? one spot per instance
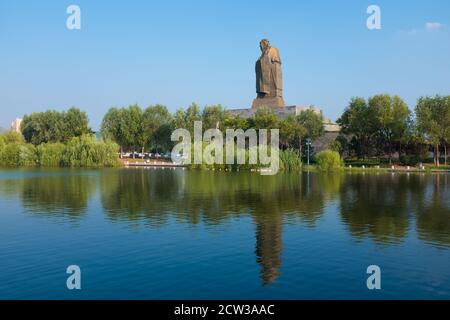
(174, 234)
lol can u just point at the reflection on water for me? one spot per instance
(61, 195)
(384, 208)
(194, 197)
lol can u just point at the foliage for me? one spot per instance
(235, 122)
(335, 145)
(433, 121)
(291, 133)
(54, 126)
(391, 121)
(376, 127)
(18, 155)
(50, 154)
(265, 118)
(290, 160)
(312, 122)
(157, 122)
(11, 137)
(86, 151)
(410, 160)
(329, 161)
(214, 117)
(112, 126)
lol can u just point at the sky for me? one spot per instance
(175, 52)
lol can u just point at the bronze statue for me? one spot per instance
(269, 83)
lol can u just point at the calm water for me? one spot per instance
(173, 234)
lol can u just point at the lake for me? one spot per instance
(180, 234)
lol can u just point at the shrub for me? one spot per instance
(50, 154)
(18, 155)
(329, 161)
(87, 151)
(290, 160)
(411, 160)
(12, 137)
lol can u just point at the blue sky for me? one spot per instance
(178, 52)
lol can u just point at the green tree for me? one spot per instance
(43, 127)
(214, 117)
(50, 154)
(75, 124)
(86, 152)
(433, 121)
(133, 129)
(185, 119)
(235, 122)
(157, 122)
(112, 127)
(8, 137)
(265, 118)
(52, 126)
(358, 122)
(312, 122)
(392, 119)
(291, 133)
(18, 155)
(329, 161)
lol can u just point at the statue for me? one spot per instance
(269, 83)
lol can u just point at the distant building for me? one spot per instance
(331, 129)
(285, 112)
(15, 125)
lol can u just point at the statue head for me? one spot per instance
(264, 44)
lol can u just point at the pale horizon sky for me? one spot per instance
(178, 52)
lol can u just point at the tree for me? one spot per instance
(392, 118)
(235, 122)
(8, 137)
(133, 128)
(312, 122)
(291, 133)
(192, 115)
(53, 126)
(265, 118)
(185, 119)
(43, 127)
(157, 122)
(214, 117)
(433, 121)
(358, 122)
(75, 124)
(112, 127)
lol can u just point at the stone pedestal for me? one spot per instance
(271, 102)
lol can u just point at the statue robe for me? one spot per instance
(268, 74)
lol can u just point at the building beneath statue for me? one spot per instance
(285, 112)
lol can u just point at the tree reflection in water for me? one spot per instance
(212, 198)
(383, 207)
